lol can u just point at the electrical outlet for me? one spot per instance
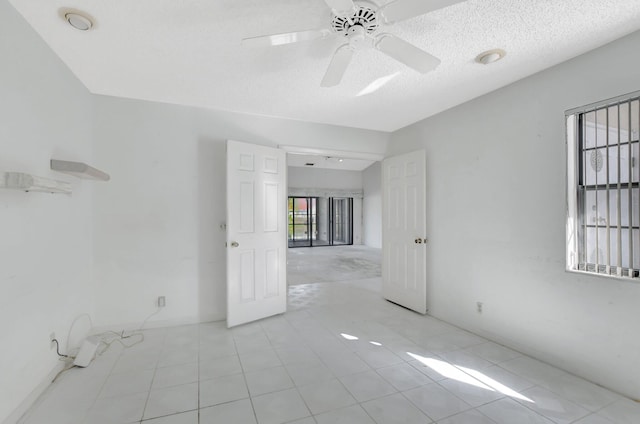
(162, 302)
(52, 344)
(479, 307)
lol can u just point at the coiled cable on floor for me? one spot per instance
(58, 348)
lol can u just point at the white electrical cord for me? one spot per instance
(147, 318)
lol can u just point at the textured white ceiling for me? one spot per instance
(188, 52)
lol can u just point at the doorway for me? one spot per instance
(320, 221)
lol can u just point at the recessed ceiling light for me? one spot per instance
(78, 20)
(490, 56)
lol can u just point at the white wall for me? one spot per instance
(45, 239)
(372, 205)
(300, 177)
(157, 221)
(496, 221)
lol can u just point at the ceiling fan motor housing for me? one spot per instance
(363, 17)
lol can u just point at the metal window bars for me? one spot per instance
(603, 187)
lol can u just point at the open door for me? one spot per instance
(256, 232)
(404, 230)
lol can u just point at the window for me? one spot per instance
(603, 208)
(320, 221)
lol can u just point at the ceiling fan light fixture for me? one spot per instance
(77, 19)
(490, 56)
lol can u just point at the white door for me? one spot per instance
(256, 232)
(403, 230)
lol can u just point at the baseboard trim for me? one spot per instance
(173, 322)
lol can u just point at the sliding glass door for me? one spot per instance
(342, 220)
(320, 221)
(302, 221)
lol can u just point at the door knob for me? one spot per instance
(234, 244)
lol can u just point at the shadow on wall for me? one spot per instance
(211, 175)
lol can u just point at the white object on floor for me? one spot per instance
(87, 352)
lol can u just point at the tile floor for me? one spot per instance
(341, 355)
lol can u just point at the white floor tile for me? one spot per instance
(79, 383)
(175, 375)
(404, 376)
(474, 395)
(267, 381)
(190, 417)
(436, 402)
(344, 363)
(183, 343)
(624, 411)
(290, 355)
(349, 415)
(280, 407)
(395, 409)
(593, 419)
(325, 396)
(426, 370)
(507, 411)
(223, 389)
(552, 406)
(238, 412)
(533, 370)
(367, 385)
(260, 360)
(227, 365)
(308, 420)
(506, 378)
(178, 356)
(118, 410)
(58, 410)
(468, 417)
(380, 357)
(254, 343)
(462, 358)
(172, 400)
(309, 372)
(141, 360)
(580, 391)
(127, 383)
(215, 350)
(436, 344)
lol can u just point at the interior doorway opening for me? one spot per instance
(320, 221)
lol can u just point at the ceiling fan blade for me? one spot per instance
(341, 7)
(400, 10)
(338, 66)
(286, 38)
(407, 53)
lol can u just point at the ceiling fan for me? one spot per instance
(359, 23)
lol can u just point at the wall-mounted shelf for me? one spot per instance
(28, 182)
(79, 169)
